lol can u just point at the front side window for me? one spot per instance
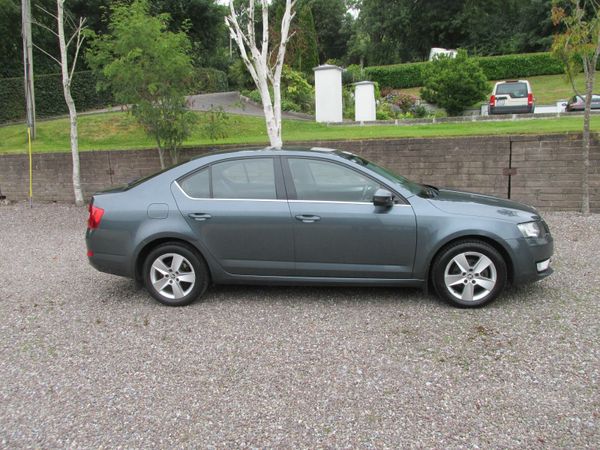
(244, 178)
(327, 181)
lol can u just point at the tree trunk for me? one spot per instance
(585, 157)
(66, 82)
(161, 154)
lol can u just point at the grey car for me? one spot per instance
(311, 217)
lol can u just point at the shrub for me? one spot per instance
(400, 76)
(454, 83)
(49, 99)
(296, 90)
(353, 74)
(405, 102)
(207, 80)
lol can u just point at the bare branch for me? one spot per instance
(39, 24)
(46, 53)
(47, 12)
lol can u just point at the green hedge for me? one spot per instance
(401, 76)
(207, 80)
(49, 99)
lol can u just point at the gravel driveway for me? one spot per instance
(86, 360)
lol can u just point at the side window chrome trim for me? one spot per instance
(340, 202)
(229, 199)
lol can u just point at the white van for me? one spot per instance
(512, 97)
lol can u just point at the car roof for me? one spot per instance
(288, 150)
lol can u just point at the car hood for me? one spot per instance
(471, 204)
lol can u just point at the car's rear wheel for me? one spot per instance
(469, 273)
(175, 275)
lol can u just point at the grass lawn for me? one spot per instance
(117, 130)
(548, 89)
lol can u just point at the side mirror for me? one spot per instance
(383, 197)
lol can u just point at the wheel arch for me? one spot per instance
(492, 241)
(147, 247)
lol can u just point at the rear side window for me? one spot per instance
(244, 178)
(197, 185)
(514, 90)
(240, 178)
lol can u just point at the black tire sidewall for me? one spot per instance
(447, 254)
(195, 260)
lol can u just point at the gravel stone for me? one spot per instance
(88, 360)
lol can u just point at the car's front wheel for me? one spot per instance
(175, 275)
(469, 273)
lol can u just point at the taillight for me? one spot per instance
(95, 216)
(493, 100)
(529, 99)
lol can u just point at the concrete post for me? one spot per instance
(365, 108)
(328, 93)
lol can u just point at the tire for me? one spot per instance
(469, 273)
(175, 275)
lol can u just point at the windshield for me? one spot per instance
(413, 187)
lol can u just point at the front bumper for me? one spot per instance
(529, 255)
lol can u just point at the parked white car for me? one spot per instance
(512, 97)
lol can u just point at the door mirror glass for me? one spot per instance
(383, 197)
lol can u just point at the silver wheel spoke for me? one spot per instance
(187, 278)
(452, 280)
(177, 291)
(467, 293)
(163, 276)
(461, 262)
(486, 283)
(483, 263)
(160, 284)
(473, 282)
(159, 266)
(176, 262)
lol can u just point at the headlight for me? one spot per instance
(531, 229)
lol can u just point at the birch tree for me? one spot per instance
(67, 70)
(579, 48)
(265, 73)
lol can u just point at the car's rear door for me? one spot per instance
(238, 211)
(338, 232)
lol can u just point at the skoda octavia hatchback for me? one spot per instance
(311, 217)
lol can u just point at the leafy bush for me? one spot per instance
(348, 107)
(297, 95)
(405, 102)
(454, 83)
(207, 80)
(295, 89)
(49, 99)
(239, 77)
(385, 111)
(352, 74)
(215, 124)
(399, 76)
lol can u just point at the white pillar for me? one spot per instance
(328, 93)
(365, 108)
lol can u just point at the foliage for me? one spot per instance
(297, 95)
(454, 83)
(333, 26)
(49, 97)
(401, 76)
(348, 106)
(146, 65)
(207, 80)
(295, 89)
(301, 51)
(353, 74)
(406, 30)
(404, 102)
(239, 77)
(216, 123)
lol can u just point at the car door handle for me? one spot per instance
(200, 216)
(306, 218)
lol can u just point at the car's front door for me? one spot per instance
(238, 211)
(338, 232)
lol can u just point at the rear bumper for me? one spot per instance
(512, 109)
(113, 264)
